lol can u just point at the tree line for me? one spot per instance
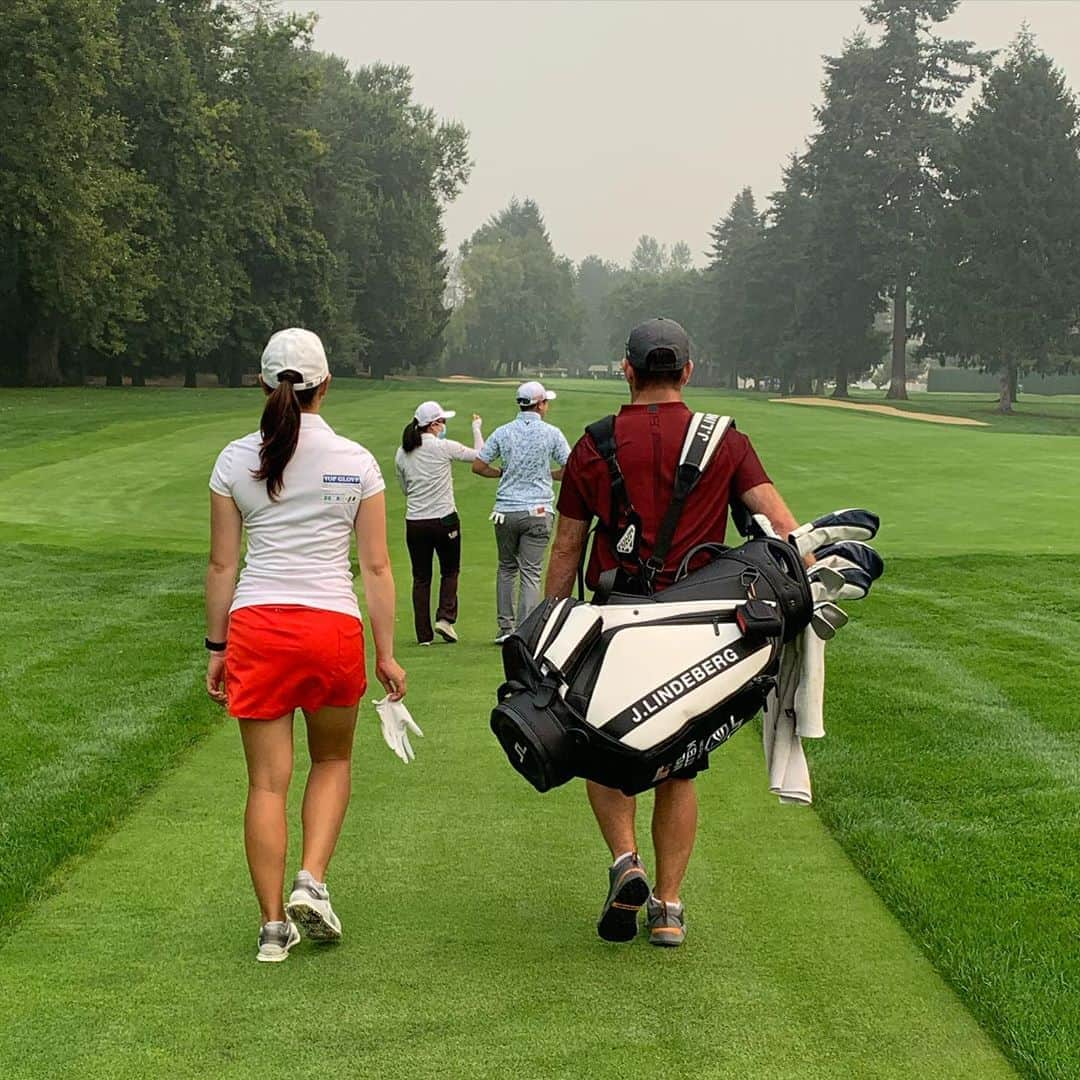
(907, 229)
(179, 178)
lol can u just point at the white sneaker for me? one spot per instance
(501, 638)
(309, 906)
(275, 941)
(446, 631)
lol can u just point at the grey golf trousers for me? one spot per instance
(522, 539)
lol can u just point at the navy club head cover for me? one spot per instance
(840, 525)
(834, 578)
(861, 555)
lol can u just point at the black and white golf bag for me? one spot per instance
(629, 692)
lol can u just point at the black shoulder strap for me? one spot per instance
(703, 438)
(602, 433)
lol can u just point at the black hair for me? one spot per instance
(280, 428)
(650, 380)
(412, 436)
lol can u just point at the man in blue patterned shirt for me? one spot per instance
(527, 447)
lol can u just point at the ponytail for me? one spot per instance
(411, 436)
(280, 428)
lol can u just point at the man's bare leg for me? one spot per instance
(674, 826)
(615, 815)
(628, 888)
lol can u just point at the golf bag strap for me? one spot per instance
(602, 433)
(703, 438)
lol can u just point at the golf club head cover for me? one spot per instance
(855, 552)
(851, 524)
(834, 578)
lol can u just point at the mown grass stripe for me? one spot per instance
(956, 786)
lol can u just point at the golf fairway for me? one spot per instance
(468, 901)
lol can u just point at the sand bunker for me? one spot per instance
(478, 382)
(885, 410)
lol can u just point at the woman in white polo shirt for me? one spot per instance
(288, 634)
(432, 526)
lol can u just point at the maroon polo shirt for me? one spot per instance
(648, 440)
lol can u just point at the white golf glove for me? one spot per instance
(396, 725)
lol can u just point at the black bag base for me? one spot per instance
(536, 730)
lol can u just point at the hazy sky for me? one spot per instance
(623, 117)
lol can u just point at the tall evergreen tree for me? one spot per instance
(730, 331)
(779, 296)
(908, 82)
(848, 271)
(1002, 278)
(727, 235)
(519, 310)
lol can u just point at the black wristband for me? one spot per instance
(215, 646)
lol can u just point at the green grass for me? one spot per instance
(949, 776)
(96, 699)
(955, 782)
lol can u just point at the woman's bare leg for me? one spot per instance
(326, 797)
(268, 747)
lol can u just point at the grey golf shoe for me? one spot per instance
(666, 923)
(309, 907)
(275, 941)
(628, 889)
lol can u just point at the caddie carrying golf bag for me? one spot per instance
(630, 690)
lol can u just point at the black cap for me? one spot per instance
(661, 333)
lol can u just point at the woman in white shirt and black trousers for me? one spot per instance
(288, 634)
(432, 526)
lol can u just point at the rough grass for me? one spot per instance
(955, 784)
(96, 697)
(948, 776)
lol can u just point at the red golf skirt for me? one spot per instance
(285, 657)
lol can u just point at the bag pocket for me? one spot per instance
(534, 736)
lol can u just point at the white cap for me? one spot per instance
(295, 350)
(532, 393)
(430, 411)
